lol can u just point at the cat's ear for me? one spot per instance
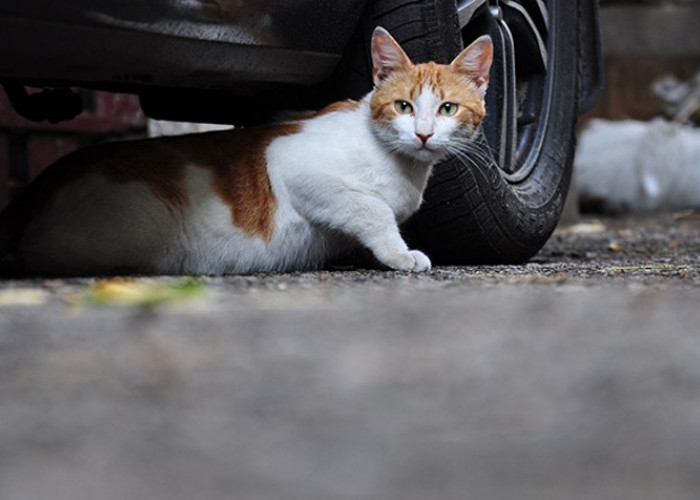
(387, 55)
(475, 62)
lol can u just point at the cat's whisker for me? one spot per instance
(468, 155)
(457, 151)
(473, 151)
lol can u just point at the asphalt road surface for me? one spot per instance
(575, 376)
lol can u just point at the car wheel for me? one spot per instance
(501, 205)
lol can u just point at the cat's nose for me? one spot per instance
(424, 137)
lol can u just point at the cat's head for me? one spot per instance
(427, 111)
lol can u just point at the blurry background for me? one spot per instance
(645, 154)
(27, 147)
(643, 40)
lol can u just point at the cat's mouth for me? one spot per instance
(423, 146)
(421, 151)
(430, 147)
(427, 152)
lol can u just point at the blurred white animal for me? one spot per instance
(634, 166)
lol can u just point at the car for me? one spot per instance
(243, 61)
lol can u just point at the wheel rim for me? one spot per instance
(519, 98)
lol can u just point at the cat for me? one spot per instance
(285, 196)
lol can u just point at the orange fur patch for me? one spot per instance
(237, 160)
(118, 161)
(148, 162)
(449, 84)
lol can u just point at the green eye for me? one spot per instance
(448, 108)
(403, 107)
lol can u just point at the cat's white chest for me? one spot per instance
(404, 192)
(339, 154)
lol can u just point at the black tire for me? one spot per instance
(479, 213)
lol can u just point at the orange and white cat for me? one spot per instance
(286, 196)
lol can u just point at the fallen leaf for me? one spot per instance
(23, 297)
(141, 292)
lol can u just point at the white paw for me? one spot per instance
(422, 261)
(413, 261)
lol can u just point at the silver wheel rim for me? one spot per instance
(520, 90)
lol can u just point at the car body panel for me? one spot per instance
(196, 44)
(208, 60)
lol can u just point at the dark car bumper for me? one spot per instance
(195, 44)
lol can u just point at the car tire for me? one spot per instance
(502, 204)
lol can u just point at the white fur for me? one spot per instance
(342, 180)
(335, 184)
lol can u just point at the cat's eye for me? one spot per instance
(403, 107)
(448, 108)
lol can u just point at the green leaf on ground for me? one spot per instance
(142, 292)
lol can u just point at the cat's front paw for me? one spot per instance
(412, 261)
(422, 261)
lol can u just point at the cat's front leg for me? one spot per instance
(372, 222)
(381, 235)
(389, 248)
(412, 260)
